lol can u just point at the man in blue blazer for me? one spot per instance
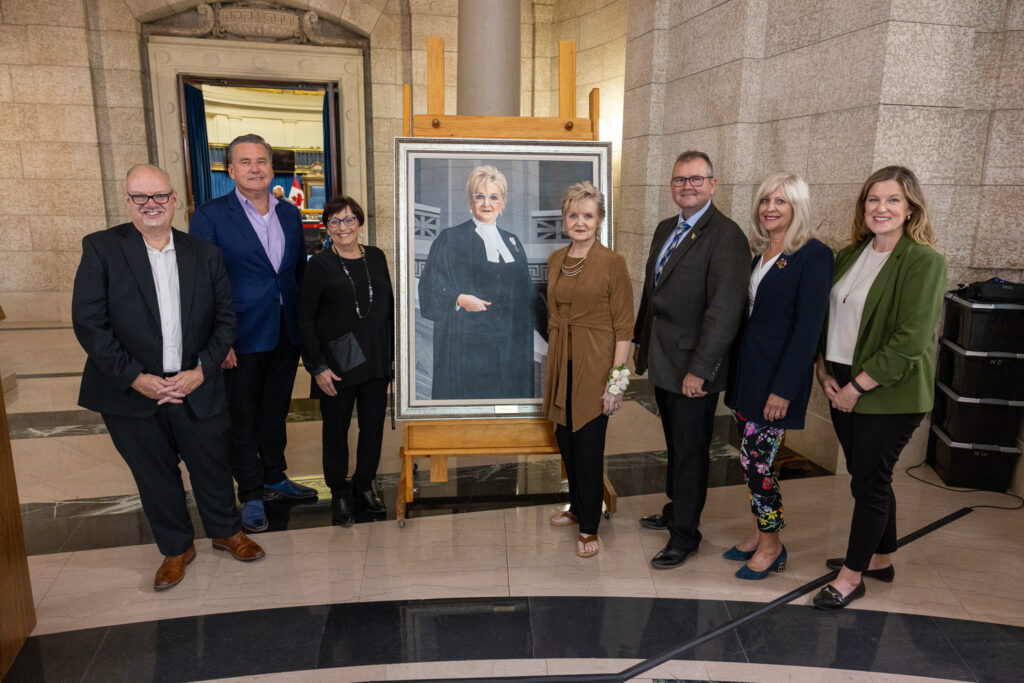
(265, 255)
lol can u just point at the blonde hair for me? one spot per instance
(796, 192)
(581, 192)
(485, 174)
(918, 227)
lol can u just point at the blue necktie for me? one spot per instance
(677, 237)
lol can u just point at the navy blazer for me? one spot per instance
(116, 318)
(779, 338)
(258, 290)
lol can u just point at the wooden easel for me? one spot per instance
(438, 439)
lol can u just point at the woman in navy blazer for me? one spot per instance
(771, 381)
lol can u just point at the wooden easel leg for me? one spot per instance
(611, 499)
(404, 487)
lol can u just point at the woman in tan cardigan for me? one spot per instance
(590, 325)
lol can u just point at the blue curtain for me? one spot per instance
(198, 145)
(327, 146)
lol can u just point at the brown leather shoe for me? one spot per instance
(240, 546)
(172, 570)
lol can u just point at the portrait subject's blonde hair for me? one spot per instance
(485, 174)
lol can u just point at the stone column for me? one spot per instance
(489, 59)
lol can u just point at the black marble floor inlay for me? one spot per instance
(111, 522)
(354, 634)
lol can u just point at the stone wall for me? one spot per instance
(832, 90)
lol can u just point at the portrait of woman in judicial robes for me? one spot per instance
(477, 233)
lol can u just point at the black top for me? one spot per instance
(327, 310)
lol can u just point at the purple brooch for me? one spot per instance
(781, 263)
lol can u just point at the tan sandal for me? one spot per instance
(587, 545)
(564, 519)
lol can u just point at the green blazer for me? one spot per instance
(896, 339)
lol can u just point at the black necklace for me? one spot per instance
(369, 283)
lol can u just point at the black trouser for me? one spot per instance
(871, 444)
(152, 447)
(371, 397)
(583, 454)
(259, 395)
(688, 424)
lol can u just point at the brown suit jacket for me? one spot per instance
(687, 323)
(601, 314)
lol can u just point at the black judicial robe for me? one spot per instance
(485, 354)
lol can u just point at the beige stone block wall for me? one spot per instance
(832, 90)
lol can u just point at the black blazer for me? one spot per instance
(777, 345)
(327, 311)
(687, 323)
(117, 321)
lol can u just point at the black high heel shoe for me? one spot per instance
(341, 510)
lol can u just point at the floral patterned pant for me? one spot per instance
(758, 446)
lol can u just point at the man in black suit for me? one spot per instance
(265, 256)
(694, 290)
(152, 309)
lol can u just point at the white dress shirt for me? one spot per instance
(164, 264)
(493, 243)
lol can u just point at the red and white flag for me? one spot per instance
(295, 196)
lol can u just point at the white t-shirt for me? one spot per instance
(756, 275)
(846, 304)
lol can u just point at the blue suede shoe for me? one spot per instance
(286, 488)
(735, 553)
(254, 517)
(745, 572)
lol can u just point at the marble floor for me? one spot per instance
(478, 585)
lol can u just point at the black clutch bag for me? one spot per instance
(346, 352)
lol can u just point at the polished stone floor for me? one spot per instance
(478, 584)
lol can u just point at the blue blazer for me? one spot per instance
(257, 290)
(779, 338)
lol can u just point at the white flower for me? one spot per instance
(616, 374)
(614, 390)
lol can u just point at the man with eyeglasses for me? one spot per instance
(152, 309)
(695, 288)
(265, 256)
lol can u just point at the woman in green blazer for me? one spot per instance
(877, 362)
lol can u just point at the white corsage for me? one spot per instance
(618, 380)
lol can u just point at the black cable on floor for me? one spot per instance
(648, 664)
(1020, 501)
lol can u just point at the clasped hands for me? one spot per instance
(168, 389)
(842, 399)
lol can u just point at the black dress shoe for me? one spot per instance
(831, 598)
(669, 557)
(657, 522)
(886, 574)
(341, 510)
(370, 502)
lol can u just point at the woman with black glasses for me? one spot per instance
(346, 320)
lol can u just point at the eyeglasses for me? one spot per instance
(481, 198)
(142, 199)
(348, 222)
(694, 180)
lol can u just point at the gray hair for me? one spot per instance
(249, 137)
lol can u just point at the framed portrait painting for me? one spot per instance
(475, 223)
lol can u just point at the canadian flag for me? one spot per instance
(295, 196)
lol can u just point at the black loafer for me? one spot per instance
(886, 574)
(341, 511)
(831, 598)
(669, 557)
(657, 522)
(370, 502)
